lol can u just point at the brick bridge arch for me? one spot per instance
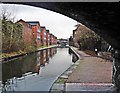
(100, 17)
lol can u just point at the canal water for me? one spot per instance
(37, 71)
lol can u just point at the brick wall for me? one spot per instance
(27, 32)
(43, 36)
(36, 34)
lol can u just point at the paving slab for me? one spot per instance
(92, 75)
(91, 87)
(91, 70)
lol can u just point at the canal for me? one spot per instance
(37, 71)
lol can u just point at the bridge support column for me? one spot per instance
(116, 68)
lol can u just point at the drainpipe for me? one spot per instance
(116, 68)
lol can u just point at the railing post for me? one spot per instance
(116, 68)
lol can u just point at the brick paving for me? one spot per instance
(91, 70)
(92, 74)
(101, 88)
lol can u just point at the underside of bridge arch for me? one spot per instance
(100, 17)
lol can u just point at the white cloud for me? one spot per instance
(60, 25)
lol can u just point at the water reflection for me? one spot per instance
(37, 68)
(42, 60)
(17, 67)
(31, 65)
(47, 56)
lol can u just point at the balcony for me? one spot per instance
(38, 37)
(38, 31)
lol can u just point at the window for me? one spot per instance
(38, 30)
(38, 37)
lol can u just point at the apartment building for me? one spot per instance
(27, 32)
(51, 39)
(43, 35)
(33, 32)
(54, 40)
(47, 38)
(36, 31)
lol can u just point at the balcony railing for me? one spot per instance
(38, 30)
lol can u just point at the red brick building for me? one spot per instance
(27, 32)
(55, 40)
(51, 39)
(47, 38)
(33, 32)
(43, 36)
(36, 31)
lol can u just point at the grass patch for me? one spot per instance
(5, 55)
(61, 80)
(90, 52)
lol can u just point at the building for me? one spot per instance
(51, 39)
(47, 38)
(36, 31)
(43, 36)
(54, 40)
(63, 42)
(27, 32)
(33, 32)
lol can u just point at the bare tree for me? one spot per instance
(11, 31)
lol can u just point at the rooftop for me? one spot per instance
(33, 22)
(47, 31)
(42, 27)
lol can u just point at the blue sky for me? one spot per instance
(60, 25)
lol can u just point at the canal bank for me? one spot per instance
(88, 75)
(24, 54)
